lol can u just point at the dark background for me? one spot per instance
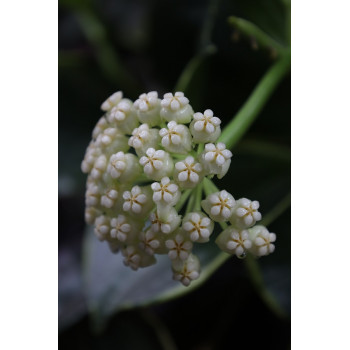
(139, 46)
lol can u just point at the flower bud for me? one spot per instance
(112, 101)
(123, 115)
(144, 138)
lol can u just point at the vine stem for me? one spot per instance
(234, 131)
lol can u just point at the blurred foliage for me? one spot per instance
(144, 45)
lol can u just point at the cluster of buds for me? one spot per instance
(146, 160)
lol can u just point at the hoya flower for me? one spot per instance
(99, 167)
(112, 101)
(124, 167)
(110, 140)
(92, 195)
(234, 241)
(109, 198)
(198, 226)
(245, 213)
(176, 138)
(124, 229)
(165, 220)
(99, 127)
(188, 173)
(144, 138)
(91, 213)
(138, 202)
(148, 108)
(102, 227)
(262, 240)
(216, 159)
(219, 205)
(205, 127)
(165, 192)
(135, 258)
(187, 270)
(157, 164)
(152, 242)
(179, 246)
(176, 107)
(91, 154)
(123, 115)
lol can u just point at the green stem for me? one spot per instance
(258, 281)
(250, 30)
(183, 199)
(198, 197)
(233, 132)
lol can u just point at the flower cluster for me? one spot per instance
(145, 160)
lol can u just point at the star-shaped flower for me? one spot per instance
(205, 127)
(198, 226)
(156, 164)
(176, 107)
(262, 240)
(219, 206)
(187, 270)
(188, 172)
(137, 201)
(179, 247)
(245, 213)
(165, 192)
(234, 241)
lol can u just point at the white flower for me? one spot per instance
(156, 164)
(109, 198)
(216, 159)
(120, 228)
(112, 101)
(176, 108)
(112, 139)
(219, 205)
(198, 226)
(124, 116)
(99, 168)
(91, 154)
(102, 227)
(205, 127)
(176, 138)
(234, 241)
(262, 240)
(92, 195)
(165, 192)
(179, 247)
(186, 271)
(148, 108)
(166, 220)
(91, 213)
(245, 213)
(124, 167)
(99, 127)
(151, 243)
(143, 138)
(188, 173)
(137, 201)
(135, 257)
